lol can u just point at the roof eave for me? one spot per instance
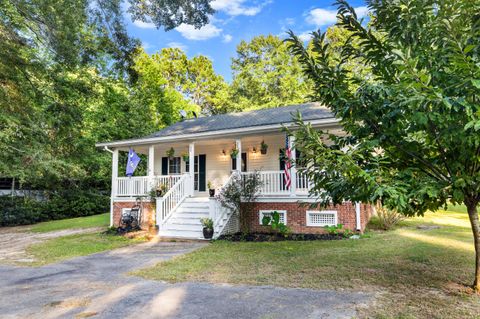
(209, 134)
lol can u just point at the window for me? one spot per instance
(244, 163)
(322, 218)
(174, 165)
(282, 213)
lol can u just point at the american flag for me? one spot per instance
(288, 165)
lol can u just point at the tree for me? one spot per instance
(171, 13)
(265, 74)
(412, 121)
(191, 82)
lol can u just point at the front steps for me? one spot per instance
(185, 221)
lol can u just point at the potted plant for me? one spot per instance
(207, 224)
(263, 148)
(211, 189)
(171, 153)
(185, 157)
(161, 189)
(234, 153)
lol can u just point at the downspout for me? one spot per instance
(105, 148)
(357, 216)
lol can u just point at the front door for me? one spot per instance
(199, 172)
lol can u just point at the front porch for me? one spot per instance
(210, 162)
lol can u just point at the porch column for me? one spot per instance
(191, 167)
(238, 145)
(114, 182)
(150, 167)
(293, 169)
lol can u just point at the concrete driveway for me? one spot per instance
(98, 286)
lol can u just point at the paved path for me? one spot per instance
(98, 286)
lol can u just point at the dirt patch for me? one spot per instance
(15, 240)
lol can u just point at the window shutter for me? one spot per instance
(164, 165)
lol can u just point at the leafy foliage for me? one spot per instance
(171, 13)
(265, 74)
(388, 218)
(18, 210)
(273, 220)
(240, 193)
(411, 121)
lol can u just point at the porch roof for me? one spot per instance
(253, 120)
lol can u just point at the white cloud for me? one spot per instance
(227, 38)
(237, 7)
(144, 25)
(146, 45)
(305, 36)
(321, 17)
(204, 33)
(290, 21)
(178, 45)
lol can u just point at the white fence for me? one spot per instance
(142, 185)
(273, 183)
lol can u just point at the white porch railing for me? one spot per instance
(132, 186)
(168, 203)
(224, 219)
(273, 183)
(141, 185)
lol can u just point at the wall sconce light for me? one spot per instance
(254, 150)
(224, 153)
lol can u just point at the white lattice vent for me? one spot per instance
(282, 214)
(322, 218)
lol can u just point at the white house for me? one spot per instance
(202, 154)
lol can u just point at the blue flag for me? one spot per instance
(132, 162)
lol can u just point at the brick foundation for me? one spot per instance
(148, 213)
(296, 216)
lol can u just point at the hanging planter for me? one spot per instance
(171, 153)
(185, 157)
(234, 153)
(263, 148)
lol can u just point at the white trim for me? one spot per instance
(310, 212)
(223, 133)
(286, 199)
(269, 211)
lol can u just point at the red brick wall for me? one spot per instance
(296, 216)
(148, 213)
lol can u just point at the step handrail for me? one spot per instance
(166, 205)
(221, 211)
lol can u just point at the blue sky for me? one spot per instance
(237, 20)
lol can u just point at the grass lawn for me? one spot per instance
(65, 247)
(101, 220)
(414, 273)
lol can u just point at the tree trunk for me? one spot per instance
(473, 216)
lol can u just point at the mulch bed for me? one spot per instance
(261, 237)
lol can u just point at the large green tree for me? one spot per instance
(265, 74)
(192, 83)
(65, 72)
(412, 122)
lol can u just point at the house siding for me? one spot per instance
(219, 166)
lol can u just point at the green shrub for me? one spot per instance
(273, 220)
(19, 210)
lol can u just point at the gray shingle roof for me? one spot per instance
(278, 115)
